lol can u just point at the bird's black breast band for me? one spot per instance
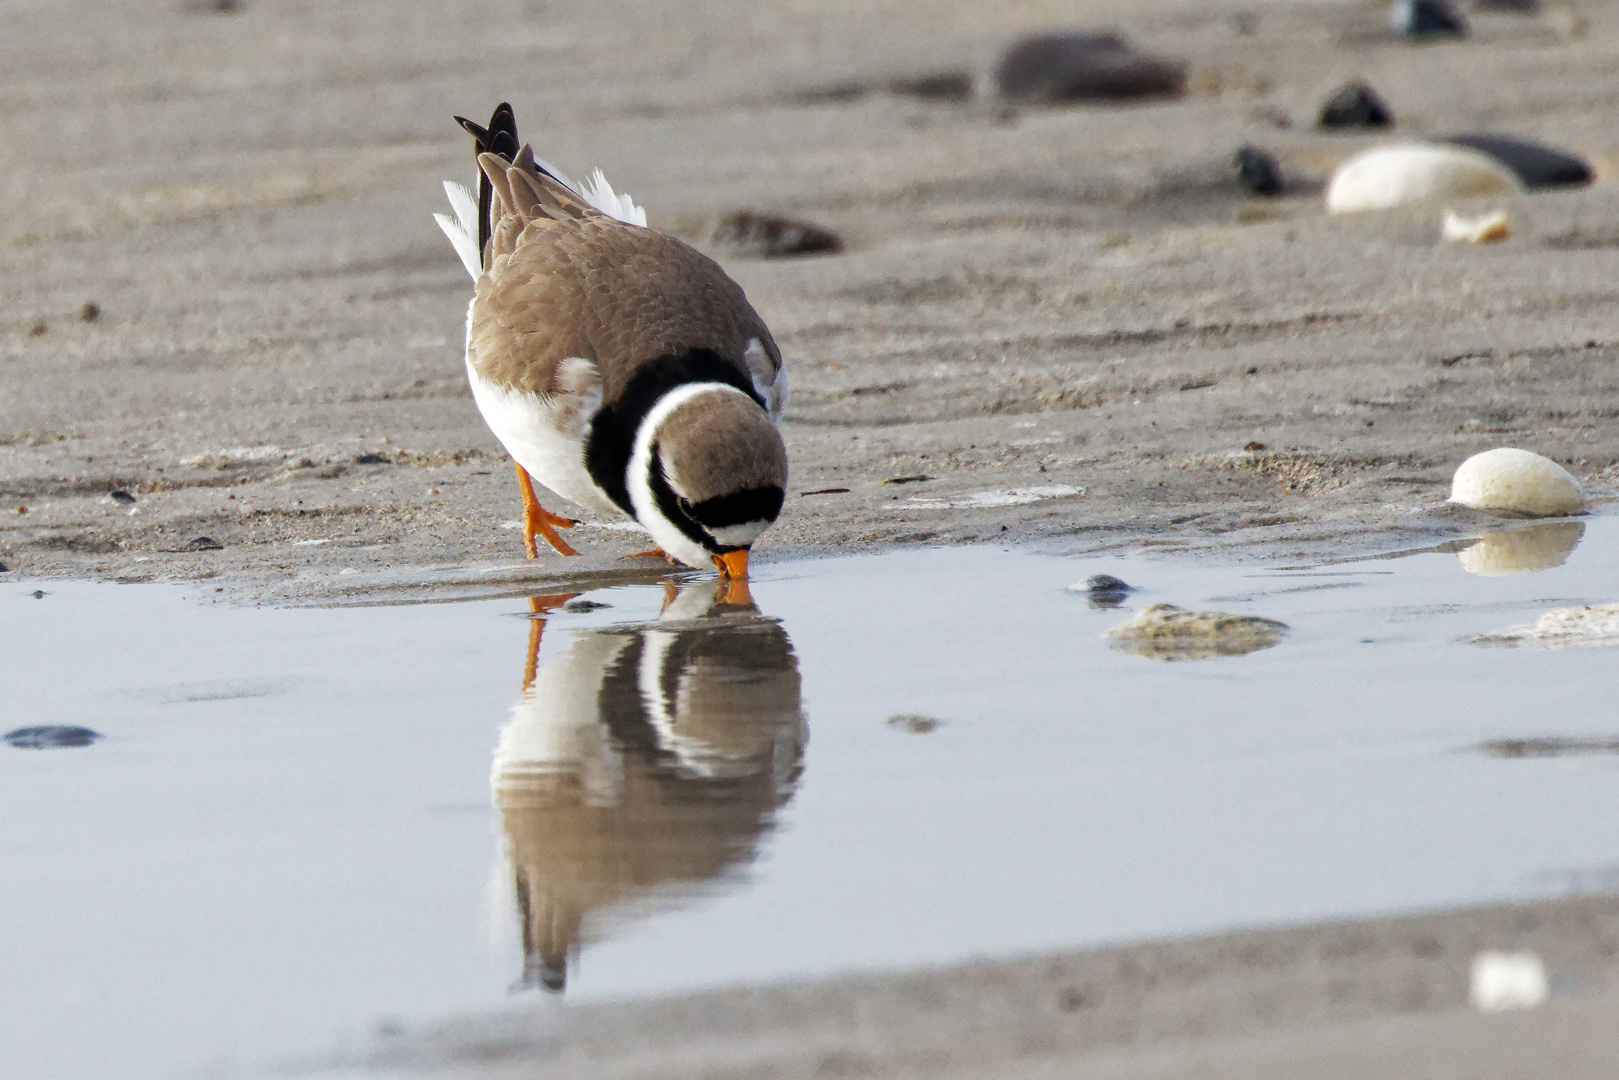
(612, 430)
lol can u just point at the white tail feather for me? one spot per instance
(599, 193)
(463, 228)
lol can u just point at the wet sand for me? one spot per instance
(1371, 999)
(1075, 304)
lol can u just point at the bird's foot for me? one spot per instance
(538, 521)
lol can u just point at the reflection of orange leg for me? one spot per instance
(538, 521)
(649, 553)
(539, 607)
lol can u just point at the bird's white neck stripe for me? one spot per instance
(638, 477)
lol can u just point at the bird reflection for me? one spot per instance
(644, 763)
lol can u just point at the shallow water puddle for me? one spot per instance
(300, 826)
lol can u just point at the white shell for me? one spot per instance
(1484, 229)
(1388, 176)
(1503, 980)
(1518, 481)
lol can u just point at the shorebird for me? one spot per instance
(618, 366)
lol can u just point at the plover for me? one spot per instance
(619, 367)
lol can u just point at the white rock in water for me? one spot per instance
(1167, 632)
(1396, 175)
(1516, 480)
(1563, 628)
(1507, 981)
(1539, 547)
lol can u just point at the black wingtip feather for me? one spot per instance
(500, 139)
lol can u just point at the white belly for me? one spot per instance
(546, 441)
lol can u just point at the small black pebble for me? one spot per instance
(1537, 166)
(1107, 591)
(121, 497)
(39, 594)
(580, 607)
(371, 459)
(1356, 105)
(1425, 18)
(3, 568)
(1258, 172)
(90, 311)
(204, 543)
(51, 737)
(1107, 583)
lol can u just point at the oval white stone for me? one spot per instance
(1388, 176)
(1516, 480)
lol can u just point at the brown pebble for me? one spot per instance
(1077, 67)
(1253, 446)
(89, 311)
(774, 237)
(38, 329)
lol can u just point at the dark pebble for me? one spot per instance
(204, 543)
(775, 237)
(1253, 447)
(371, 459)
(1258, 172)
(90, 311)
(916, 478)
(121, 497)
(915, 723)
(580, 607)
(38, 329)
(4, 568)
(1107, 591)
(1508, 7)
(39, 594)
(938, 86)
(51, 737)
(1425, 18)
(1537, 166)
(1079, 67)
(1356, 106)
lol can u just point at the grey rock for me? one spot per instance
(1083, 66)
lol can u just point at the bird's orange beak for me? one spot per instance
(733, 564)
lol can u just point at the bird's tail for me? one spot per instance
(514, 187)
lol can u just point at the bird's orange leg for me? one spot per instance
(538, 521)
(539, 607)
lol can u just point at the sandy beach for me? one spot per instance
(1057, 325)
(1076, 304)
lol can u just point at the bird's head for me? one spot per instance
(708, 476)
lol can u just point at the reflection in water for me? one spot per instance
(645, 762)
(1522, 551)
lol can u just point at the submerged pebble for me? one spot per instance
(1389, 176)
(1167, 632)
(51, 737)
(1563, 628)
(915, 723)
(1425, 18)
(1356, 106)
(1548, 746)
(772, 237)
(1523, 551)
(1489, 228)
(1104, 590)
(1258, 172)
(1518, 482)
(1078, 67)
